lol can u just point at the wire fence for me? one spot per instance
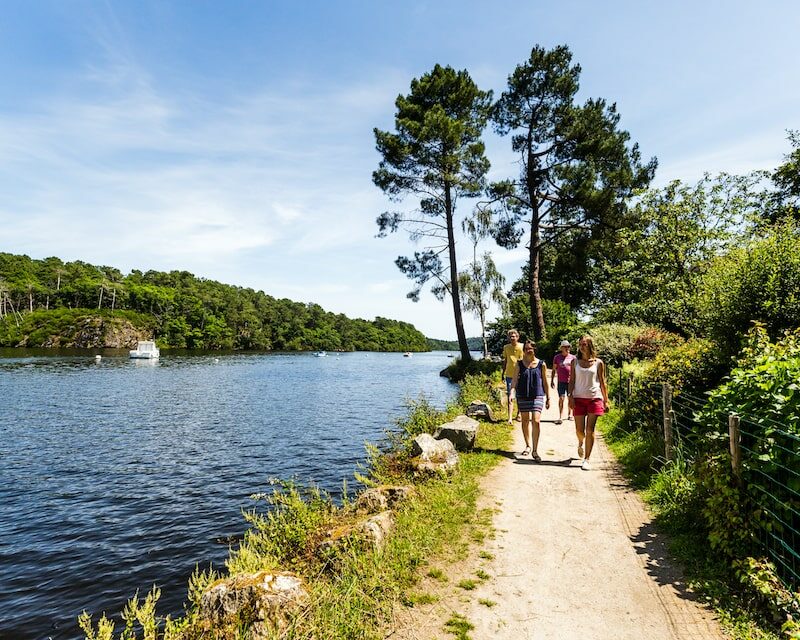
(764, 454)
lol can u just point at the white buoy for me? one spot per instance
(216, 359)
(98, 358)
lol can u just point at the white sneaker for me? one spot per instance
(586, 466)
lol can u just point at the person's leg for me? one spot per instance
(526, 416)
(580, 432)
(510, 401)
(560, 406)
(591, 420)
(537, 416)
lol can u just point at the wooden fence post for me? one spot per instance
(736, 446)
(667, 404)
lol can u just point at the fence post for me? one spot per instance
(667, 405)
(620, 391)
(629, 386)
(736, 446)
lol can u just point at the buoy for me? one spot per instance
(98, 358)
(216, 359)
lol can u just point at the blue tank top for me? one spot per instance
(529, 381)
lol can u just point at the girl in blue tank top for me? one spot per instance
(532, 395)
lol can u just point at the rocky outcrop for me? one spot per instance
(433, 456)
(266, 600)
(382, 498)
(88, 332)
(461, 431)
(479, 409)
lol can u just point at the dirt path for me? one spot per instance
(574, 556)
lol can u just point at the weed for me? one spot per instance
(467, 584)
(458, 625)
(487, 603)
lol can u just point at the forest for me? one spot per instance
(43, 299)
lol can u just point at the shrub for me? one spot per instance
(758, 282)
(613, 341)
(649, 342)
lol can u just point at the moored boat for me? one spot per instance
(145, 350)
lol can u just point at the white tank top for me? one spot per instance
(587, 382)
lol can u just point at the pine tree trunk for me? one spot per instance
(455, 292)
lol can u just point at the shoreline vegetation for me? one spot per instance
(51, 303)
(353, 586)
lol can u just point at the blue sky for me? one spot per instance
(234, 139)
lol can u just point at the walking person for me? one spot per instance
(588, 396)
(562, 366)
(512, 352)
(530, 387)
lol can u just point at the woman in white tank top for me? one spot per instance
(588, 396)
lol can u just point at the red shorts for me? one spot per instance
(590, 406)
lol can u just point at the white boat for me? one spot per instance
(145, 350)
(407, 354)
(320, 354)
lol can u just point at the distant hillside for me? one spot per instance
(53, 303)
(475, 344)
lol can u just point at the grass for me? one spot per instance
(487, 603)
(458, 625)
(353, 589)
(468, 584)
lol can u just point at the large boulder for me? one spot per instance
(461, 432)
(432, 455)
(266, 599)
(479, 409)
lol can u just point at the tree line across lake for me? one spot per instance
(43, 299)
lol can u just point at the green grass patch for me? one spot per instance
(486, 555)
(459, 626)
(487, 603)
(468, 584)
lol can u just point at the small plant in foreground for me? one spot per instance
(482, 574)
(486, 555)
(437, 574)
(487, 603)
(458, 625)
(467, 584)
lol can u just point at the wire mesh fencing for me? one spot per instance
(764, 455)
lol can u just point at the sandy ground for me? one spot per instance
(574, 555)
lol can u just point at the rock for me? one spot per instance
(479, 409)
(268, 599)
(381, 498)
(432, 455)
(445, 373)
(461, 432)
(371, 532)
(375, 529)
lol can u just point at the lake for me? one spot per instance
(120, 474)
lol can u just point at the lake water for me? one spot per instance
(120, 474)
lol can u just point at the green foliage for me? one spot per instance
(436, 155)
(459, 369)
(652, 274)
(459, 626)
(283, 534)
(757, 282)
(577, 167)
(46, 302)
(561, 320)
(785, 201)
(618, 343)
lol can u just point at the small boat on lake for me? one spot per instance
(145, 350)
(407, 354)
(320, 354)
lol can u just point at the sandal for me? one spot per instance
(536, 457)
(526, 451)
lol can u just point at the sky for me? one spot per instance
(235, 139)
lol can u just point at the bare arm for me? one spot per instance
(553, 374)
(546, 388)
(601, 374)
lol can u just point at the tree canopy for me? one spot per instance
(185, 311)
(436, 155)
(577, 168)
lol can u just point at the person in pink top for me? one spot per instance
(562, 367)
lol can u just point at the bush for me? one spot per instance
(613, 341)
(649, 342)
(759, 282)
